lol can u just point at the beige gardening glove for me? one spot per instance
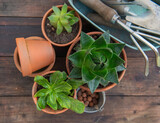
(151, 19)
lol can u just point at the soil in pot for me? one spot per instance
(64, 37)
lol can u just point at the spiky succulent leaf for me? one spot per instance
(59, 28)
(75, 73)
(56, 93)
(98, 60)
(61, 19)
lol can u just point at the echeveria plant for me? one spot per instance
(57, 93)
(97, 61)
(61, 19)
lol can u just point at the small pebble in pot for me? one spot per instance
(84, 99)
(89, 93)
(82, 90)
(91, 104)
(86, 103)
(52, 28)
(84, 94)
(95, 101)
(89, 98)
(97, 96)
(93, 95)
(80, 98)
(79, 93)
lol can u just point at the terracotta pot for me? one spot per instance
(33, 54)
(47, 110)
(44, 32)
(109, 86)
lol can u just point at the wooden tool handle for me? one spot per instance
(105, 11)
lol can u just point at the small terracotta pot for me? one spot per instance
(48, 110)
(44, 32)
(33, 54)
(109, 86)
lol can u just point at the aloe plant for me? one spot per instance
(57, 93)
(97, 61)
(61, 19)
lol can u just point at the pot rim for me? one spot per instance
(112, 84)
(48, 110)
(17, 64)
(44, 32)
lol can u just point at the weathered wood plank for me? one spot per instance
(12, 21)
(133, 83)
(27, 8)
(116, 110)
(9, 32)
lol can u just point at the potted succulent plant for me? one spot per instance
(34, 56)
(96, 61)
(61, 25)
(55, 93)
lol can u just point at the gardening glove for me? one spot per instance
(150, 19)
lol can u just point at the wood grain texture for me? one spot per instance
(27, 8)
(133, 83)
(12, 30)
(118, 109)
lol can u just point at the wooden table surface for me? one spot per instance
(135, 100)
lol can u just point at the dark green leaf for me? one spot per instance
(116, 47)
(56, 10)
(114, 61)
(63, 100)
(104, 82)
(101, 72)
(75, 73)
(51, 101)
(42, 92)
(64, 9)
(77, 58)
(86, 40)
(42, 81)
(93, 84)
(38, 108)
(77, 106)
(112, 76)
(120, 68)
(71, 12)
(73, 20)
(99, 43)
(75, 83)
(106, 36)
(87, 67)
(59, 28)
(42, 102)
(57, 77)
(62, 87)
(58, 106)
(106, 52)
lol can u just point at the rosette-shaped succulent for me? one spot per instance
(97, 61)
(61, 19)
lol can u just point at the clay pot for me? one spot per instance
(48, 110)
(44, 32)
(108, 86)
(33, 54)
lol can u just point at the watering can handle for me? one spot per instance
(105, 11)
